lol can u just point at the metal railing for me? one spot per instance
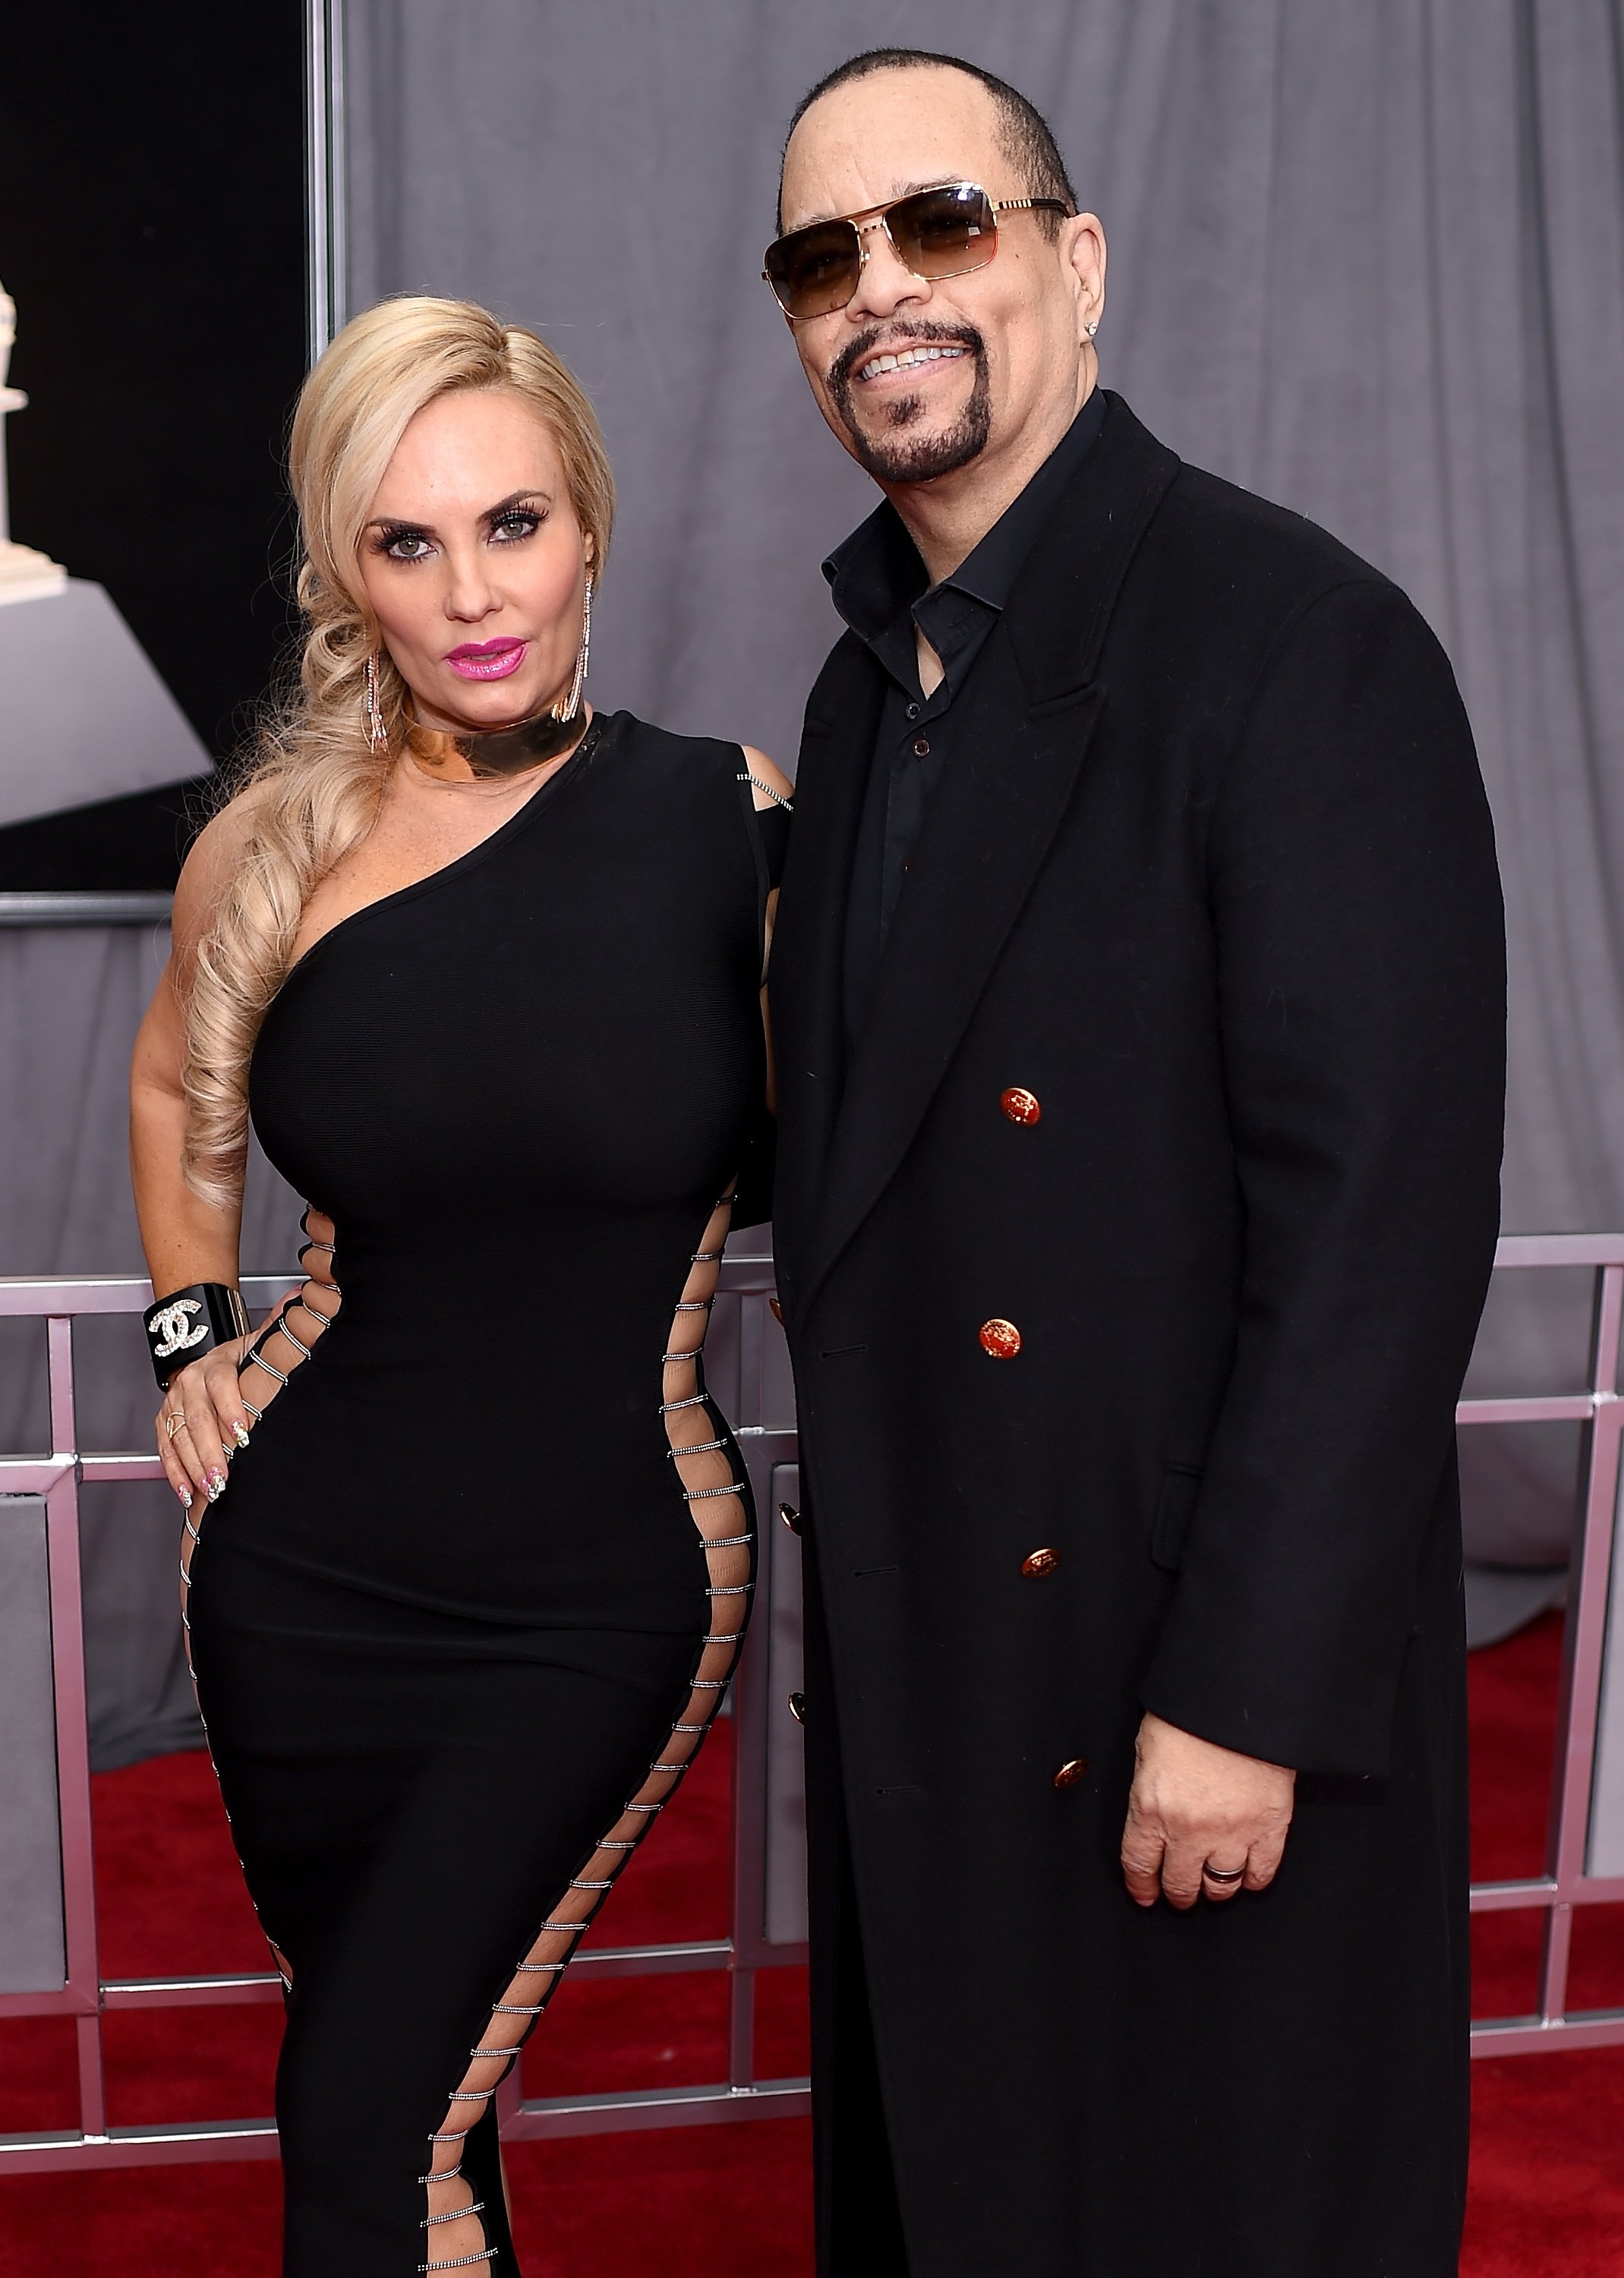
(87, 1996)
(85, 909)
(1565, 1883)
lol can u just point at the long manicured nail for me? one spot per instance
(185, 1495)
(240, 1432)
(217, 1485)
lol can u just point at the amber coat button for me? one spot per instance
(1069, 1774)
(797, 1706)
(790, 1514)
(1002, 1339)
(1040, 1561)
(1020, 1104)
(778, 1310)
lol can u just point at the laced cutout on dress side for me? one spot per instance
(713, 1485)
(257, 1370)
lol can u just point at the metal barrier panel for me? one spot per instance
(33, 1939)
(46, 1801)
(48, 1961)
(1569, 1880)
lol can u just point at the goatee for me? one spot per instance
(895, 455)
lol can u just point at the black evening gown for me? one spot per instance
(465, 1611)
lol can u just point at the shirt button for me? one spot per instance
(1069, 1774)
(1000, 1338)
(921, 747)
(1038, 1562)
(913, 711)
(797, 1706)
(1020, 1104)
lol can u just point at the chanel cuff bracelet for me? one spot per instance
(191, 1322)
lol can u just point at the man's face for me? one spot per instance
(917, 379)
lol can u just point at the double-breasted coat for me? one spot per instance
(1210, 875)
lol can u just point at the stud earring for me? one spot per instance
(1092, 326)
(579, 682)
(371, 712)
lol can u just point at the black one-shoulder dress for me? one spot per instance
(463, 1616)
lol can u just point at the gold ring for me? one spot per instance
(174, 1419)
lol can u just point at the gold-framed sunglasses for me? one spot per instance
(945, 232)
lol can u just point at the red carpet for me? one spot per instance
(1548, 2167)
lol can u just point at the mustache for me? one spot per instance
(858, 350)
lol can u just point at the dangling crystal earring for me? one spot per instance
(371, 713)
(579, 682)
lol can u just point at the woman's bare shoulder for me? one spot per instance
(771, 785)
(215, 856)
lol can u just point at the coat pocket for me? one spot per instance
(1175, 1506)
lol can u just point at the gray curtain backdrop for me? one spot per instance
(1367, 260)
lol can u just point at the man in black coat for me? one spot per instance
(1139, 998)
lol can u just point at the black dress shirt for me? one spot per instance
(881, 588)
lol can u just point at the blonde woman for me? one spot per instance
(476, 960)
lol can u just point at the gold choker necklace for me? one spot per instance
(493, 753)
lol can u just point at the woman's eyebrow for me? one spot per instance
(491, 513)
(513, 499)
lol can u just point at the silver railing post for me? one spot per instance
(1583, 1638)
(67, 1633)
(326, 239)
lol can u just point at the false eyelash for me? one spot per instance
(393, 533)
(534, 515)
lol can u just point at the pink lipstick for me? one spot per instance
(491, 660)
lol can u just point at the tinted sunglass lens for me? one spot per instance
(815, 271)
(944, 233)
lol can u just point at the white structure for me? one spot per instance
(83, 716)
(25, 576)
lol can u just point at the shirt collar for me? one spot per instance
(876, 578)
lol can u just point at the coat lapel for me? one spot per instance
(1030, 711)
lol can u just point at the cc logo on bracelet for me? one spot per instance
(167, 1329)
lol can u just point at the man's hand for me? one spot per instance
(1195, 1806)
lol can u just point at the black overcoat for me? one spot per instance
(1210, 873)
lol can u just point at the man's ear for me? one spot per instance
(1084, 256)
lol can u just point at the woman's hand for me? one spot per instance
(207, 1396)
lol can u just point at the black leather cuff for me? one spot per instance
(183, 1326)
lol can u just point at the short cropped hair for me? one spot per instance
(1028, 140)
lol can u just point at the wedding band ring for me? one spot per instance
(1222, 1875)
(174, 1418)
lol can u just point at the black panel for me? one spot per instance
(152, 234)
(119, 845)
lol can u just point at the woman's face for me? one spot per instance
(475, 563)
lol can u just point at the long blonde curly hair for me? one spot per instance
(314, 784)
